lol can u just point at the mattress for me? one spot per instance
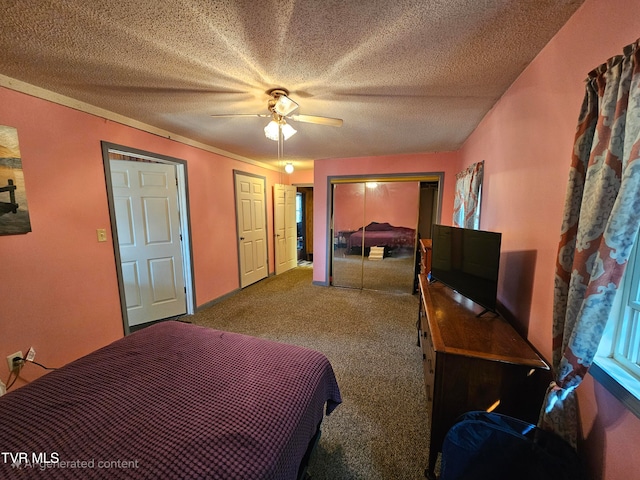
(382, 235)
(170, 401)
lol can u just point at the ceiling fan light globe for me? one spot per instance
(271, 130)
(288, 131)
(285, 106)
(288, 168)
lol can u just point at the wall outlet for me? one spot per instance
(10, 360)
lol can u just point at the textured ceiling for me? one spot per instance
(406, 76)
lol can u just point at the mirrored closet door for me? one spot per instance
(374, 225)
(348, 218)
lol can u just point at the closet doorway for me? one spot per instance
(304, 223)
(375, 230)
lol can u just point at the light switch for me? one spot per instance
(102, 234)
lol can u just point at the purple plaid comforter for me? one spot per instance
(171, 401)
(382, 235)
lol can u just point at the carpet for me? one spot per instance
(380, 429)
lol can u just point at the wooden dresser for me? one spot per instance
(425, 256)
(473, 363)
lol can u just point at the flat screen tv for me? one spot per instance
(467, 261)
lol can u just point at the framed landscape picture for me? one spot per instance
(14, 212)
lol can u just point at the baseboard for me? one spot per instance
(204, 306)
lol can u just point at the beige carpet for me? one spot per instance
(394, 275)
(380, 430)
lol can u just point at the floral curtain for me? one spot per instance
(467, 197)
(600, 224)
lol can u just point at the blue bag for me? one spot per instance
(491, 446)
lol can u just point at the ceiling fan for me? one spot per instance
(281, 108)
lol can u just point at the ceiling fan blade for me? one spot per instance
(222, 115)
(334, 122)
(135, 89)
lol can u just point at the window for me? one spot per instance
(617, 363)
(627, 336)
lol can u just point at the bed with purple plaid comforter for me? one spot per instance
(171, 401)
(382, 235)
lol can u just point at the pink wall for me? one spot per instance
(349, 215)
(396, 203)
(300, 177)
(526, 142)
(59, 289)
(447, 163)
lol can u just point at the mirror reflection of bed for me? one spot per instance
(375, 229)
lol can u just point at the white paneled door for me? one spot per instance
(286, 231)
(252, 228)
(148, 225)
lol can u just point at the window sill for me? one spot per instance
(618, 382)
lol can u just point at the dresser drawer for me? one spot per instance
(428, 366)
(429, 379)
(426, 342)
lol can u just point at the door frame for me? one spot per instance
(399, 177)
(185, 222)
(266, 221)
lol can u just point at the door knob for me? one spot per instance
(241, 238)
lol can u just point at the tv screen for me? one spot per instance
(467, 261)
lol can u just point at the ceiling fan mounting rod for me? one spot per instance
(277, 118)
(277, 92)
